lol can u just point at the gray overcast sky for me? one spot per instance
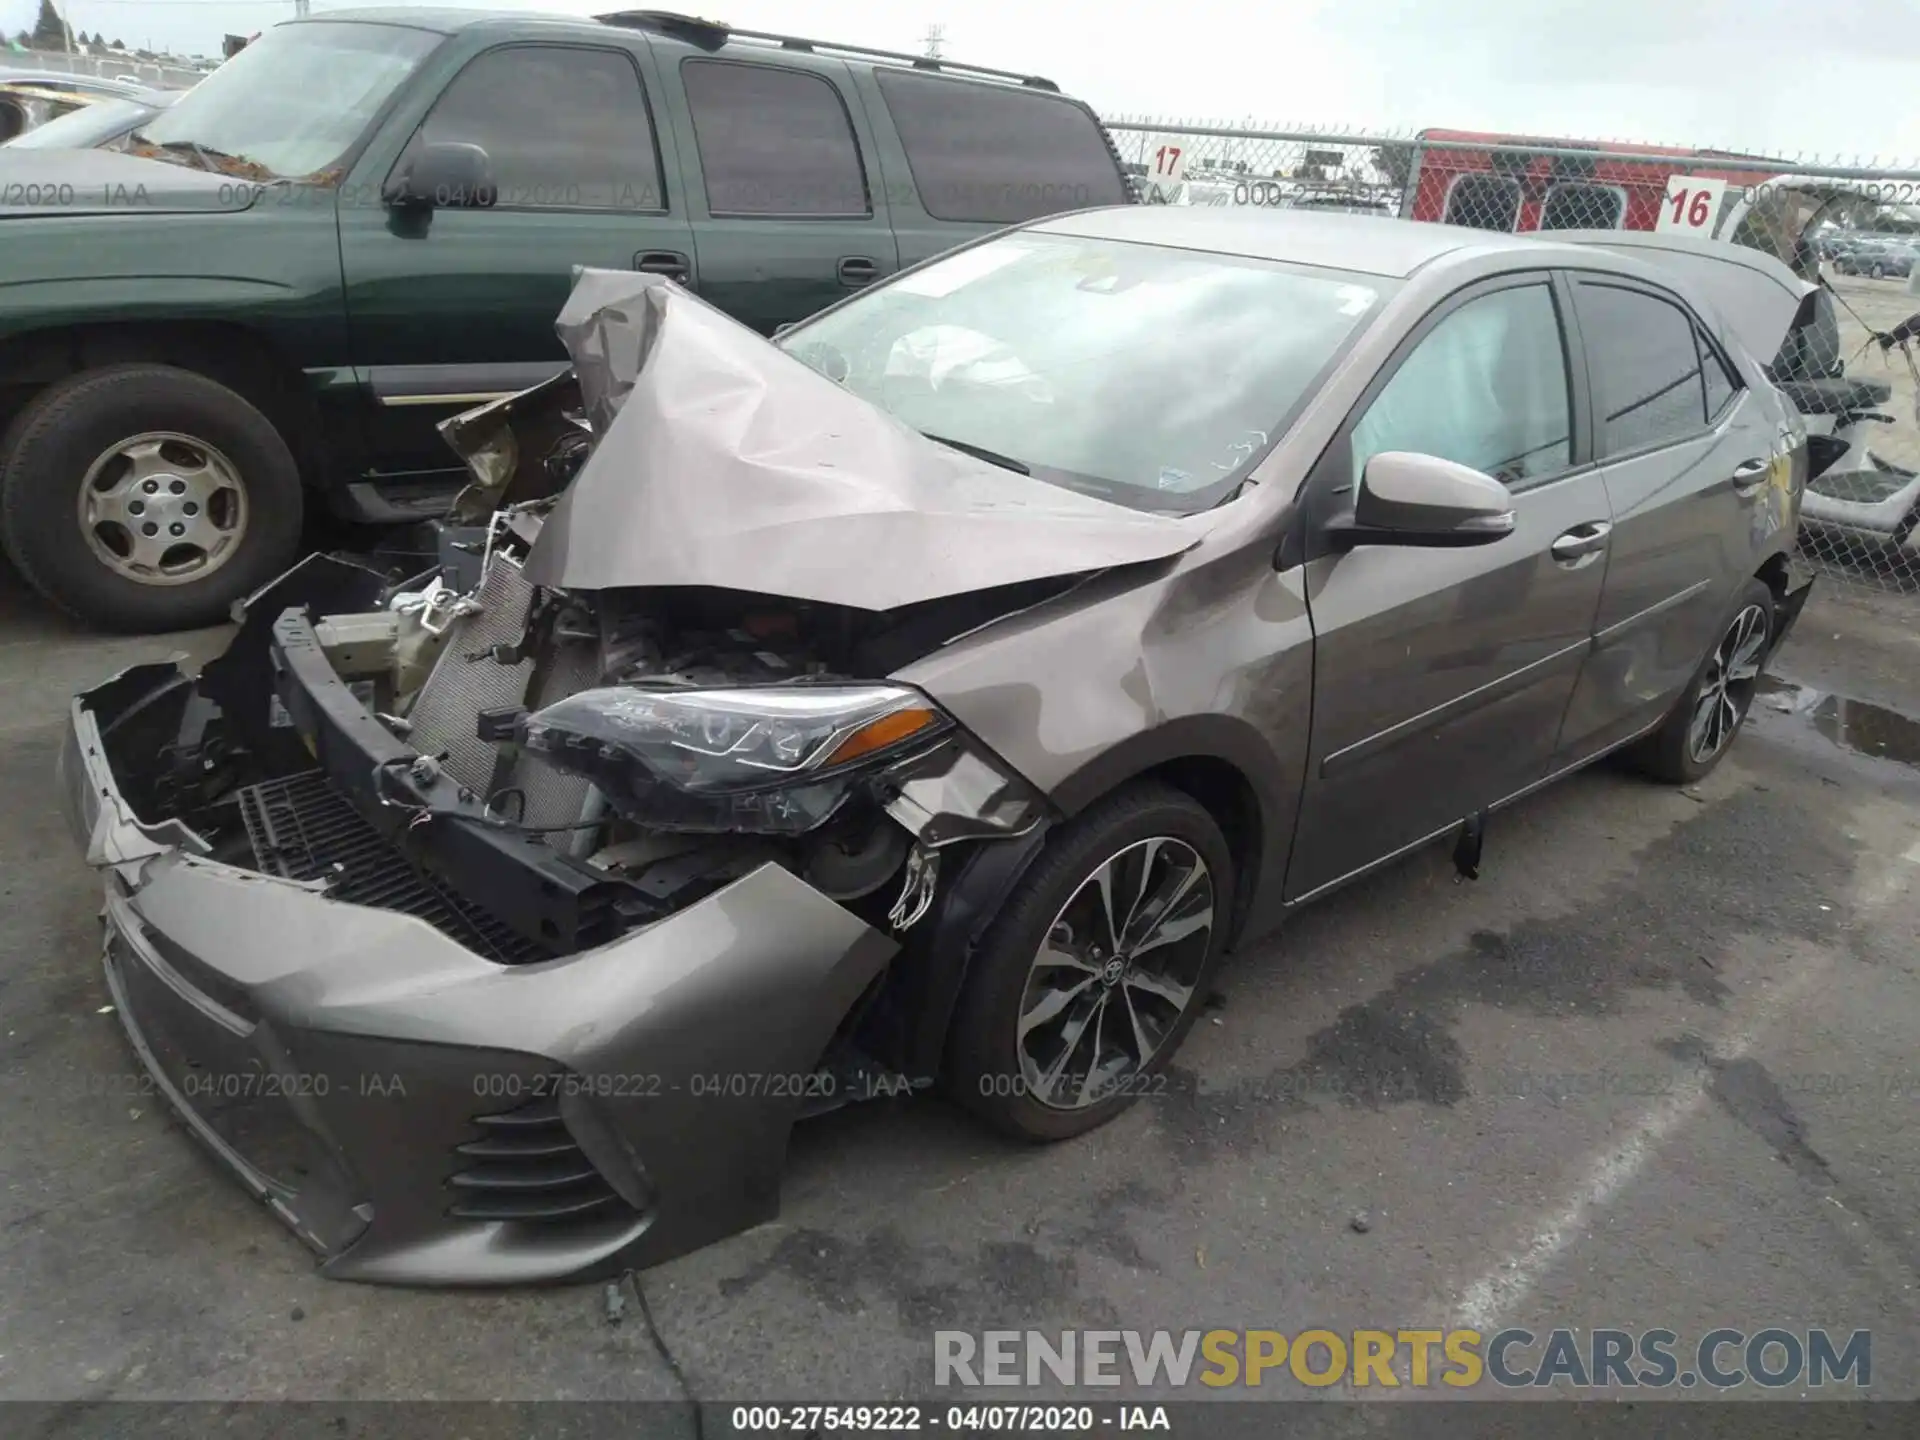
(1782, 76)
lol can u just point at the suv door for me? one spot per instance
(786, 218)
(451, 304)
(1688, 457)
(1440, 675)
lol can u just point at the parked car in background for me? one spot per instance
(364, 222)
(32, 98)
(1000, 697)
(100, 123)
(1876, 258)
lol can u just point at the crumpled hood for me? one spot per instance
(1757, 294)
(719, 460)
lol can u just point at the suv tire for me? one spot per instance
(1051, 940)
(147, 498)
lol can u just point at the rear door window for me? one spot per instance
(1645, 364)
(997, 154)
(773, 141)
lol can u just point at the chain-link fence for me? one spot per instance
(1855, 227)
(114, 65)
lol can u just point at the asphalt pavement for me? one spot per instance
(1656, 1067)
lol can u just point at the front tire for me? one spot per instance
(147, 498)
(1095, 969)
(1700, 729)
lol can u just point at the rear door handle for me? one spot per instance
(858, 270)
(1750, 475)
(1579, 545)
(670, 263)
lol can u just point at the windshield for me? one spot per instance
(294, 101)
(1153, 377)
(84, 128)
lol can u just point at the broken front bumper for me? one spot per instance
(421, 1114)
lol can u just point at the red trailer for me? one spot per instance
(1524, 182)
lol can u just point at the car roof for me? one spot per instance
(446, 21)
(1369, 244)
(710, 36)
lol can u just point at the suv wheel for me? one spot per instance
(1095, 970)
(1699, 731)
(147, 498)
(1876, 271)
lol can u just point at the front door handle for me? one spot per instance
(858, 270)
(670, 263)
(1578, 546)
(1750, 475)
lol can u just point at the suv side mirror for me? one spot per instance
(449, 173)
(1409, 499)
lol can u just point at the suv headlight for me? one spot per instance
(775, 759)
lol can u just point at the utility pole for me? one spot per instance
(935, 35)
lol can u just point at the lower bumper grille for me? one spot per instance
(303, 829)
(527, 1167)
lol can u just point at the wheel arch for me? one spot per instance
(1218, 761)
(235, 355)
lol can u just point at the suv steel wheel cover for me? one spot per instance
(1115, 974)
(1727, 689)
(163, 508)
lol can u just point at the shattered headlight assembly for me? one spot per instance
(770, 760)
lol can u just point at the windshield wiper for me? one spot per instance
(980, 452)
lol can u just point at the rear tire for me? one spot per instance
(1702, 726)
(221, 511)
(1110, 1015)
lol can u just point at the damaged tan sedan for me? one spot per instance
(936, 693)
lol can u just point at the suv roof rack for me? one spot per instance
(712, 34)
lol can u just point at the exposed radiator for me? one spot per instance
(467, 679)
(303, 829)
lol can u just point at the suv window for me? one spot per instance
(1645, 366)
(773, 141)
(1487, 387)
(566, 127)
(1578, 206)
(997, 154)
(1486, 202)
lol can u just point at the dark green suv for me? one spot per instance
(363, 224)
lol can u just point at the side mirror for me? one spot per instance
(1409, 499)
(453, 174)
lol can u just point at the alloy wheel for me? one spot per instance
(162, 508)
(1116, 973)
(1727, 689)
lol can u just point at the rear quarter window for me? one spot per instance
(997, 154)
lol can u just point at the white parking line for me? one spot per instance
(1483, 1303)
(1495, 1293)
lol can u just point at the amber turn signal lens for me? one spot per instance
(889, 729)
